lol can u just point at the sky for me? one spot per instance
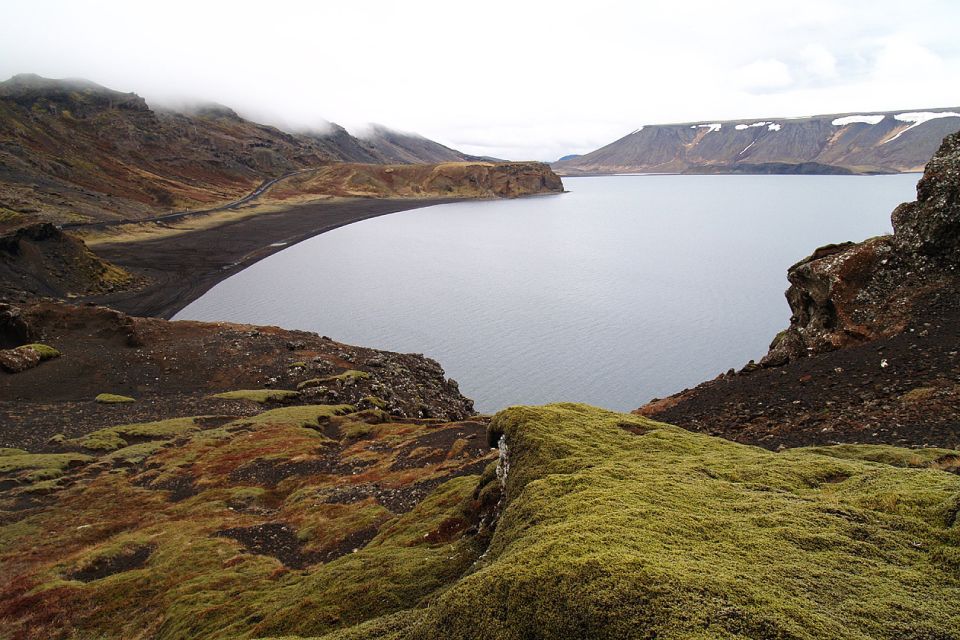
(517, 79)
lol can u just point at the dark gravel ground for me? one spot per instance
(903, 390)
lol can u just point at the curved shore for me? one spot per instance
(180, 268)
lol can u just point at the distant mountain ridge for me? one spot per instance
(75, 151)
(870, 142)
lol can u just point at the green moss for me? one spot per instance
(112, 398)
(608, 534)
(9, 216)
(376, 401)
(113, 438)
(41, 461)
(118, 547)
(357, 430)
(262, 396)
(9, 451)
(135, 454)
(443, 511)
(885, 454)
(43, 486)
(612, 526)
(44, 351)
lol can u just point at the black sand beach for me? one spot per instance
(181, 268)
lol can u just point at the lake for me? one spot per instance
(624, 289)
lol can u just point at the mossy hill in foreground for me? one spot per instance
(605, 525)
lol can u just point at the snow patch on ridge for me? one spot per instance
(714, 126)
(741, 127)
(839, 122)
(771, 126)
(918, 118)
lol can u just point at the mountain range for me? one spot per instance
(844, 143)
(75, 151)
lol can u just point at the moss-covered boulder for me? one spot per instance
(112, 398)
(261, 396)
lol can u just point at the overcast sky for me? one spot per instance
(514, 79)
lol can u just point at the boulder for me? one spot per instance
(19, 359)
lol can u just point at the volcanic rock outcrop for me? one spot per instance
(851, 293)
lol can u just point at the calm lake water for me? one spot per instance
(623, 289)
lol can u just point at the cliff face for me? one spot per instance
(846, 294)
(881, 142)
(73, 151)
(445, 180)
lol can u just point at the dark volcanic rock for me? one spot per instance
(851, 293)
(931, 225)
(19, 359)
(14, 330)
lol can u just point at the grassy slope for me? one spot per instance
(670, 534)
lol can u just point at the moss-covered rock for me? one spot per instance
(113, 398)
(113, 438)
(45, 352)
(270, 524)
(262, 396)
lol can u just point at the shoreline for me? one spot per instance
(182, 267)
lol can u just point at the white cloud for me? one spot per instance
(903, 58)
(818, 61)
(763, 75)
(532, 79)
